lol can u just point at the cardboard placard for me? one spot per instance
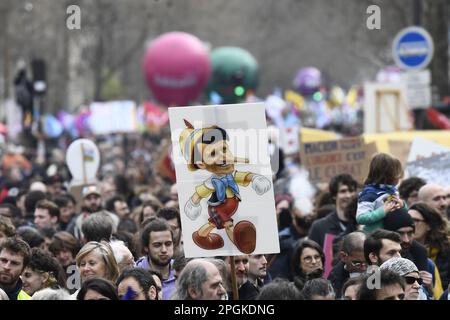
(400, 149)
(325, 159)
(214, 170)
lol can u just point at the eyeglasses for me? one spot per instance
(416, 221)
(309, 259)
(410, 280)
(358, 264)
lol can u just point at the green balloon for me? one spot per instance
(234, 72)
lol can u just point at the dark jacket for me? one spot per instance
(329, 224)
(445, 295)
(442, 262)
(248, 291)
(418, 254)
(17, 293)
(279, 265)
(338, 275)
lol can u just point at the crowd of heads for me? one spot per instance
(121, 238)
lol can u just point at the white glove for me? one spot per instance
(192, 210)
(260, 184)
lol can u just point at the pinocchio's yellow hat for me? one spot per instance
(188, 139)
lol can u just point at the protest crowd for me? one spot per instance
(373, 234)
(122, 239)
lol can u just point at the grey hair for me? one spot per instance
(193, 276)
(221, 265)
(354, 242)
(97, 227)
(119, 249)
(51, 294)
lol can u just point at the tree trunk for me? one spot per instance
(436, 22)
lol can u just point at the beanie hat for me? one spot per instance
(401, 266)
(398, 219)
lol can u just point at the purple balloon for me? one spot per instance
(308, 80)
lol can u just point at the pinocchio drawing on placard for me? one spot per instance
(207, 149)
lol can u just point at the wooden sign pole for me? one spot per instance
(233, 279)
(84, 163)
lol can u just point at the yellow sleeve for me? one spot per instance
(203, 191)
(241, 178)
(437, 290)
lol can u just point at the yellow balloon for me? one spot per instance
(293, 97)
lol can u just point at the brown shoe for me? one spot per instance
(245, 236)
(211, 242)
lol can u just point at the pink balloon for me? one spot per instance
(176, 67)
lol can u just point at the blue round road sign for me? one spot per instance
(413, 48)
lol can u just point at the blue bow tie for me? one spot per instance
(221, 184)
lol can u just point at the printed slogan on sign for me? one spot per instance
(325, 159)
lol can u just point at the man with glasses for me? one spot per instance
(408, 270)
(352, 262)
(402, 223)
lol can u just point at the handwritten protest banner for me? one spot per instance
(325, 159)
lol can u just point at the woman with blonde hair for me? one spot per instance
(96, 259)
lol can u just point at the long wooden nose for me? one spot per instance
(241, 160)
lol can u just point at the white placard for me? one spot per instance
(423, 148)
(113, 116)
(434, 169)
(418, 87)
(245, 125)
(83, 160)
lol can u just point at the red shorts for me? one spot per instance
(222, 213)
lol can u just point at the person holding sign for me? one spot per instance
(207, 149)
(379, 196)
